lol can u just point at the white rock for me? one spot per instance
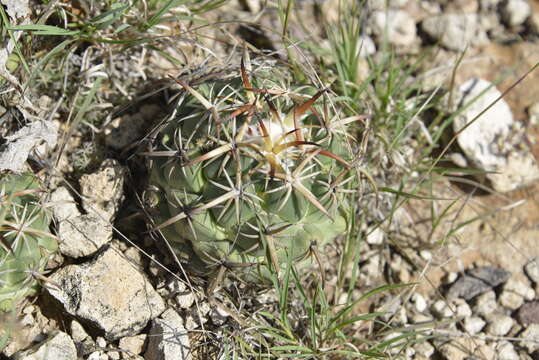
(511, 300)
(381, 4)
(424, 348)
(514, 292)
(63, 205)
(109, 293)
(455, 31)
(77, 331)
(474, 324)
(420, 304)
(83, 235)
(532, 270)
(462, 309)
(395, 25)
(485, 304)
(133, 344)
(506, 351)
(366, 46)
(515, 12)
(168, 338)
(441, 309)
(489, 142)
(102, 191)
(183, 295)
(499, 324)
(376, 237)
(58, 347)
(531, 333)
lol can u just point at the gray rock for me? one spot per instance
(532, 335)
(168, 338)
(63, 205)
(83, 235)
(532, 270)
(455, 31)
(499, 324)
(506, 351)
(395, 25)
(474, 324)
(485, 304)
(528, 313)
(515, 12)
(109, 293)
(491, 275)
(467, 287)
(57, 347)
(493, 142)
(102, 191)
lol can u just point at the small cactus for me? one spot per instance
(250, 171)
(25, 241)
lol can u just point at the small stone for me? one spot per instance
(515, 12)
(455, 31)
(101, 342)
(420, 318)
(424, 348)
(441, 310)
(490, 274)
(78, 334)
(133, 344)
(450, 277)
(532, 269)
(113, 355)
(454, 350)
(467, 287)
(376, 237)
(57, 347)
(499, 324)
(506, 351)
(420, 304)
(83, 235)
(474, 324)
(426, 255)
(511, 300)
(63, 205)
(529, 313)
(485, 304)
(366, 48)
(531, 333)
(397, 26)
(168, 338)
(462, 309)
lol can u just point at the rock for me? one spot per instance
(462, 309)
(420, 304)
(383, 4)
(83, 235)
(424, 348)
(473, 324)
(514, 292)
(63, 205)
(457, 349)
(396, 26)
(133, 344)
(531, 333)
(532, 270)
(78, 334)
(528, 313)
(57, 347)
(515, 12)
(168, 338)
(109, 293)
(491, 275)
(441, 310)
(491, 141)
(366, 46)
(182, 294)
(506, 351)
(499, 324)
(485, 304)
(467, 287)
(533, 23)
(125, 130)
(102, 191)
(455, 31)
(376, 237)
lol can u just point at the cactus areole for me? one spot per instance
(25, 241)
(252, 172)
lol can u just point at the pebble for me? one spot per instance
(473, 324)
(133, 344)
(375, 237)
(441, 310)
(515, 12)
(485, 304)
(457, 349)
(528, 313)
(532, 269)
(499, 324)
(168, 339)
(455, 31)
(420, 304)
(59, 346)
(531, 333)
(506, 351)
(491, 275)
(397, 26)
(424, 348)
(462, 309)
(467, 287)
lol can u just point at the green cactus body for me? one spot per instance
(26, 243)
(248, 169)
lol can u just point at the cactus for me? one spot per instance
(25, 241)
(250, 171)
